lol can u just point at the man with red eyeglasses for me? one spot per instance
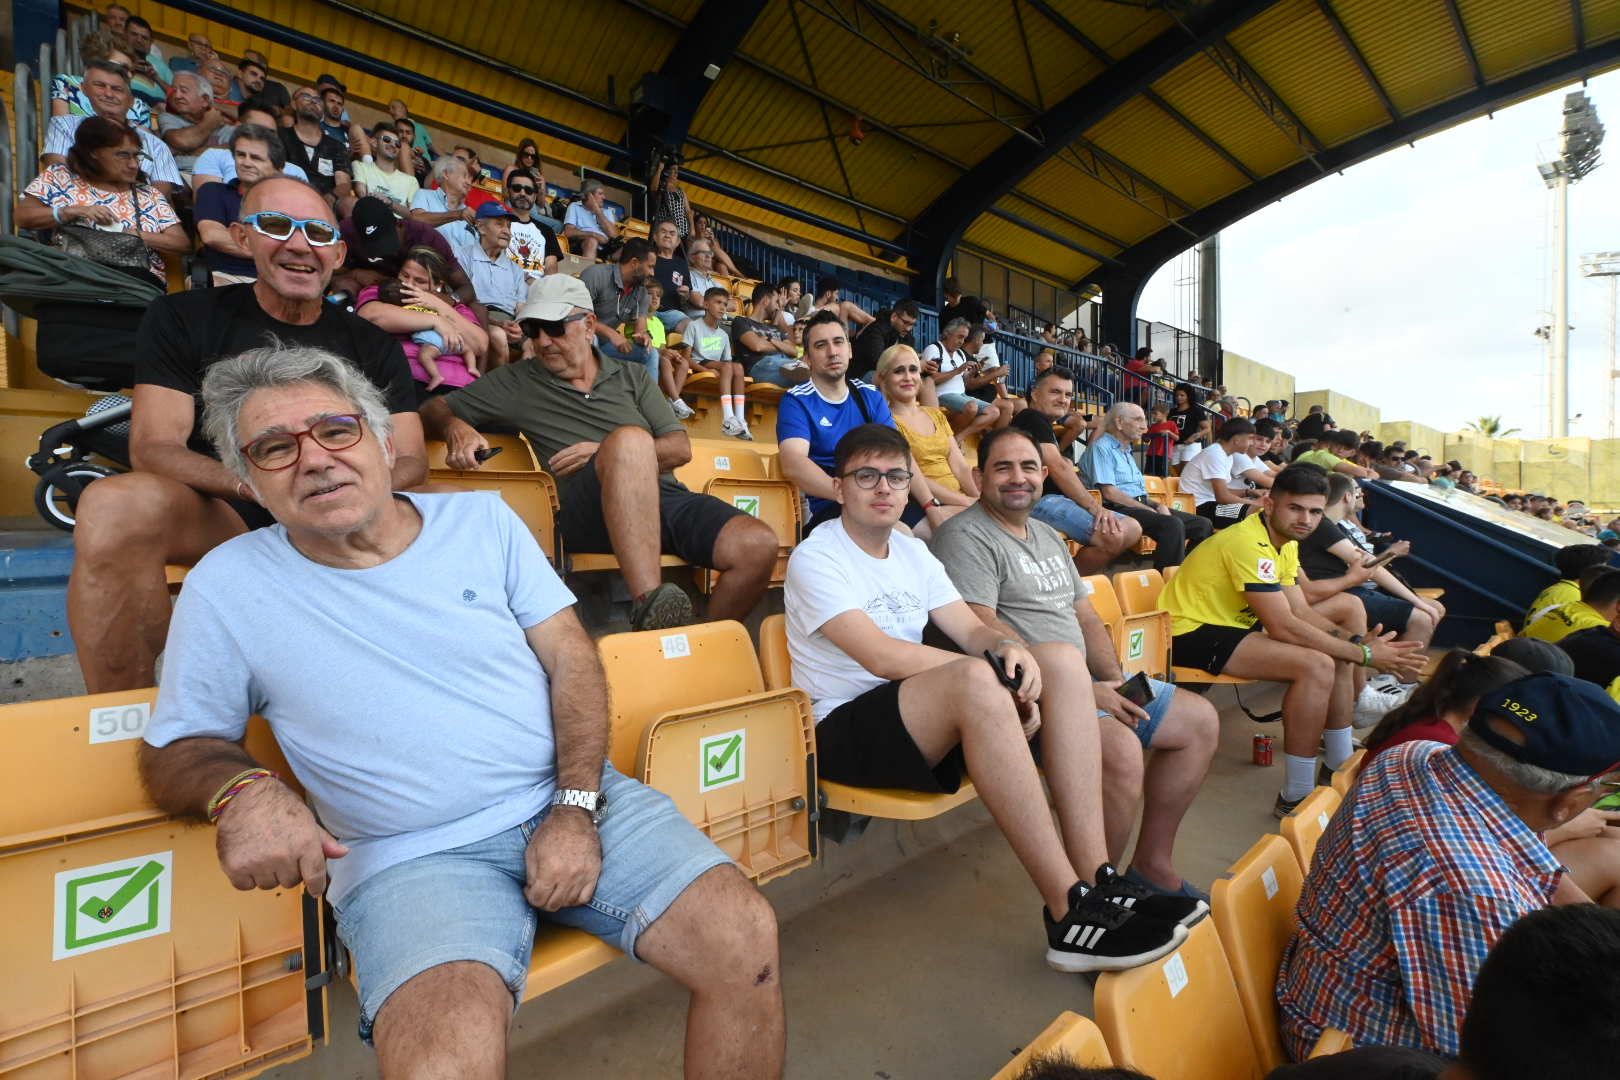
(179, 502)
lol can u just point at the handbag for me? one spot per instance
(122, 250)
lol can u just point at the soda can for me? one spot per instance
(1262, 749)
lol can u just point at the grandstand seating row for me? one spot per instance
(217, 989)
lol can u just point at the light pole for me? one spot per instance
(1606, 264)
(1578, 155)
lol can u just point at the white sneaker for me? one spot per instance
(733, 427)
(1376, 700)
(683, 411)
(745, 434)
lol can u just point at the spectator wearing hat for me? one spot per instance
(257, 153)
(1436, 854)
(590, 224)
(376, 241)
(308, 145)
(619, 299)
(609, 437)
(378, 173)
(106, 85)
(498, 282)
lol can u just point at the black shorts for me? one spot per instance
(1237, 510)
(1209, 647)
(1382, 608)
(689, 523)
(864, 743)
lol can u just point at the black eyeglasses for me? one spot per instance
(521, 189)
(551, 327)
(867, 479)
(282, 449)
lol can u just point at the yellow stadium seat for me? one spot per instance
(127, 951)
(1170, 572)
(1184, 502)
(1156, 487)
(1138, 593)
(1072, 1036)
(1303, 828)
(1253, 908)
(1332, 1041)
(1106, 603)
(1430, 593)
(1179, 1018)
(1345, 775)
(775, 502)
(892, 803)
(1503, 631)
(1142, 641)
(175, 575)
(516, 474)
(692, 718)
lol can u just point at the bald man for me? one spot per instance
(179, 502)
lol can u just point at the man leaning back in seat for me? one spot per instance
(180, 501)
(454, 798)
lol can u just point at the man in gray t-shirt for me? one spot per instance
(1015, 573)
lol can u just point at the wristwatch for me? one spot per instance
(593, 803)
(934, 503)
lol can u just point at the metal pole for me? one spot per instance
(1560, 353)
(1608, 382)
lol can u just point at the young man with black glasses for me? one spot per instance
(534, 245)
(179, 502)
(893, 712)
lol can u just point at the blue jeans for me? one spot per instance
(1065, 515)
(1157, 710)
(468, 904)
(645, 355)
(770, 369)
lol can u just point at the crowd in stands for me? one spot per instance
(365, 292)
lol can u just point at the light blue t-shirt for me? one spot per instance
(1109, 461)
(405, 696)
(804, 414)
(581, 218)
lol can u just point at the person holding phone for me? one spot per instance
(1016, 576)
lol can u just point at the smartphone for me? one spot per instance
(1389, 555)
(1136, 690)
(1009, 681)
(487, 452)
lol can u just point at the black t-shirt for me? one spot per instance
(1596, 653)
(1314, 556)
(970, 308)
(322, 162)
(1314, 425)
(1366, 1063)
(874, 337)
(673, 274)
(1040, 428)
(742, 353)
(183, 333)
(1188, 420)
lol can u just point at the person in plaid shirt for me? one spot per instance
(1435, 855)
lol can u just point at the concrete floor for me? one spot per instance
(913, 951)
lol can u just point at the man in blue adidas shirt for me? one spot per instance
(813, 416)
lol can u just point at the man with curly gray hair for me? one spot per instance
(439, 701)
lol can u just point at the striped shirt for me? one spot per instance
(1413, 882)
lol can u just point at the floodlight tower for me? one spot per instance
(1606, 264)
(1578, 155)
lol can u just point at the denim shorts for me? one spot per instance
(959, 402)
(467, 903)
(771, 369)
(1157, 710)
(1066, 516)
(671, 318)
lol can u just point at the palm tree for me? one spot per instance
(1491, 427)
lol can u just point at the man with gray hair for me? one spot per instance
(446, 204)
(256, 152)
(1437, 852)
(179, 502)
(945, 369)
(590, 226)
(436, 884)
(1109, 466)
(191, 124)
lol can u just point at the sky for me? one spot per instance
(1415, 281)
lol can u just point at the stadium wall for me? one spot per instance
(1254, 380)
(1352, 415)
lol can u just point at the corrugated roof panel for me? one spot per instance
(1511, 38)
(1039, 213)
(1018, 245)
(1202, 93)
(1118, 28)
(1070, 189)
(1602, 18)
(989, 40)
(1412, 47)
(1144, 137)
(1294, 49)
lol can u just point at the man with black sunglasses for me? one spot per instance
(534, 245)
(179, 502)
(608, 435)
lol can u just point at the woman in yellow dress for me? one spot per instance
(927, 429)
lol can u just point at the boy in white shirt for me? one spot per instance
(710, 343)
(893, 712)
(1210, 478)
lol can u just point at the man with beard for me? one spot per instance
(324, 159)
(380, 174)
(534, 246)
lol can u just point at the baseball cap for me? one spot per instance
(554, 297)
(374, 224)
(494, 208)
(1534, 655)
(1566, 725)
(331, 80)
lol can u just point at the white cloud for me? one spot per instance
(1415, 281)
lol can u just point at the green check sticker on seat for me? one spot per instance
(112, 903)
(722, 759)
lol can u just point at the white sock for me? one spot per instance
(1339, 746)
(728, 411)
(1300, 776)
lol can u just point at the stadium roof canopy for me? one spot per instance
(1084, 141)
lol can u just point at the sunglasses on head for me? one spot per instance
(278, 226)
(553, 328)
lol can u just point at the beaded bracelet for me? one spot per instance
(232, 788)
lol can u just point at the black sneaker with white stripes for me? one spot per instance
(1096, 935)
(1116, 889)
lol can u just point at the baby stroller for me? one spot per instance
(88, 315)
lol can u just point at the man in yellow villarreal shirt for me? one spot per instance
(1572, 562)
(1236, 609)
(1600, 599)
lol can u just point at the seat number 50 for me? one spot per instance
(115, 722)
